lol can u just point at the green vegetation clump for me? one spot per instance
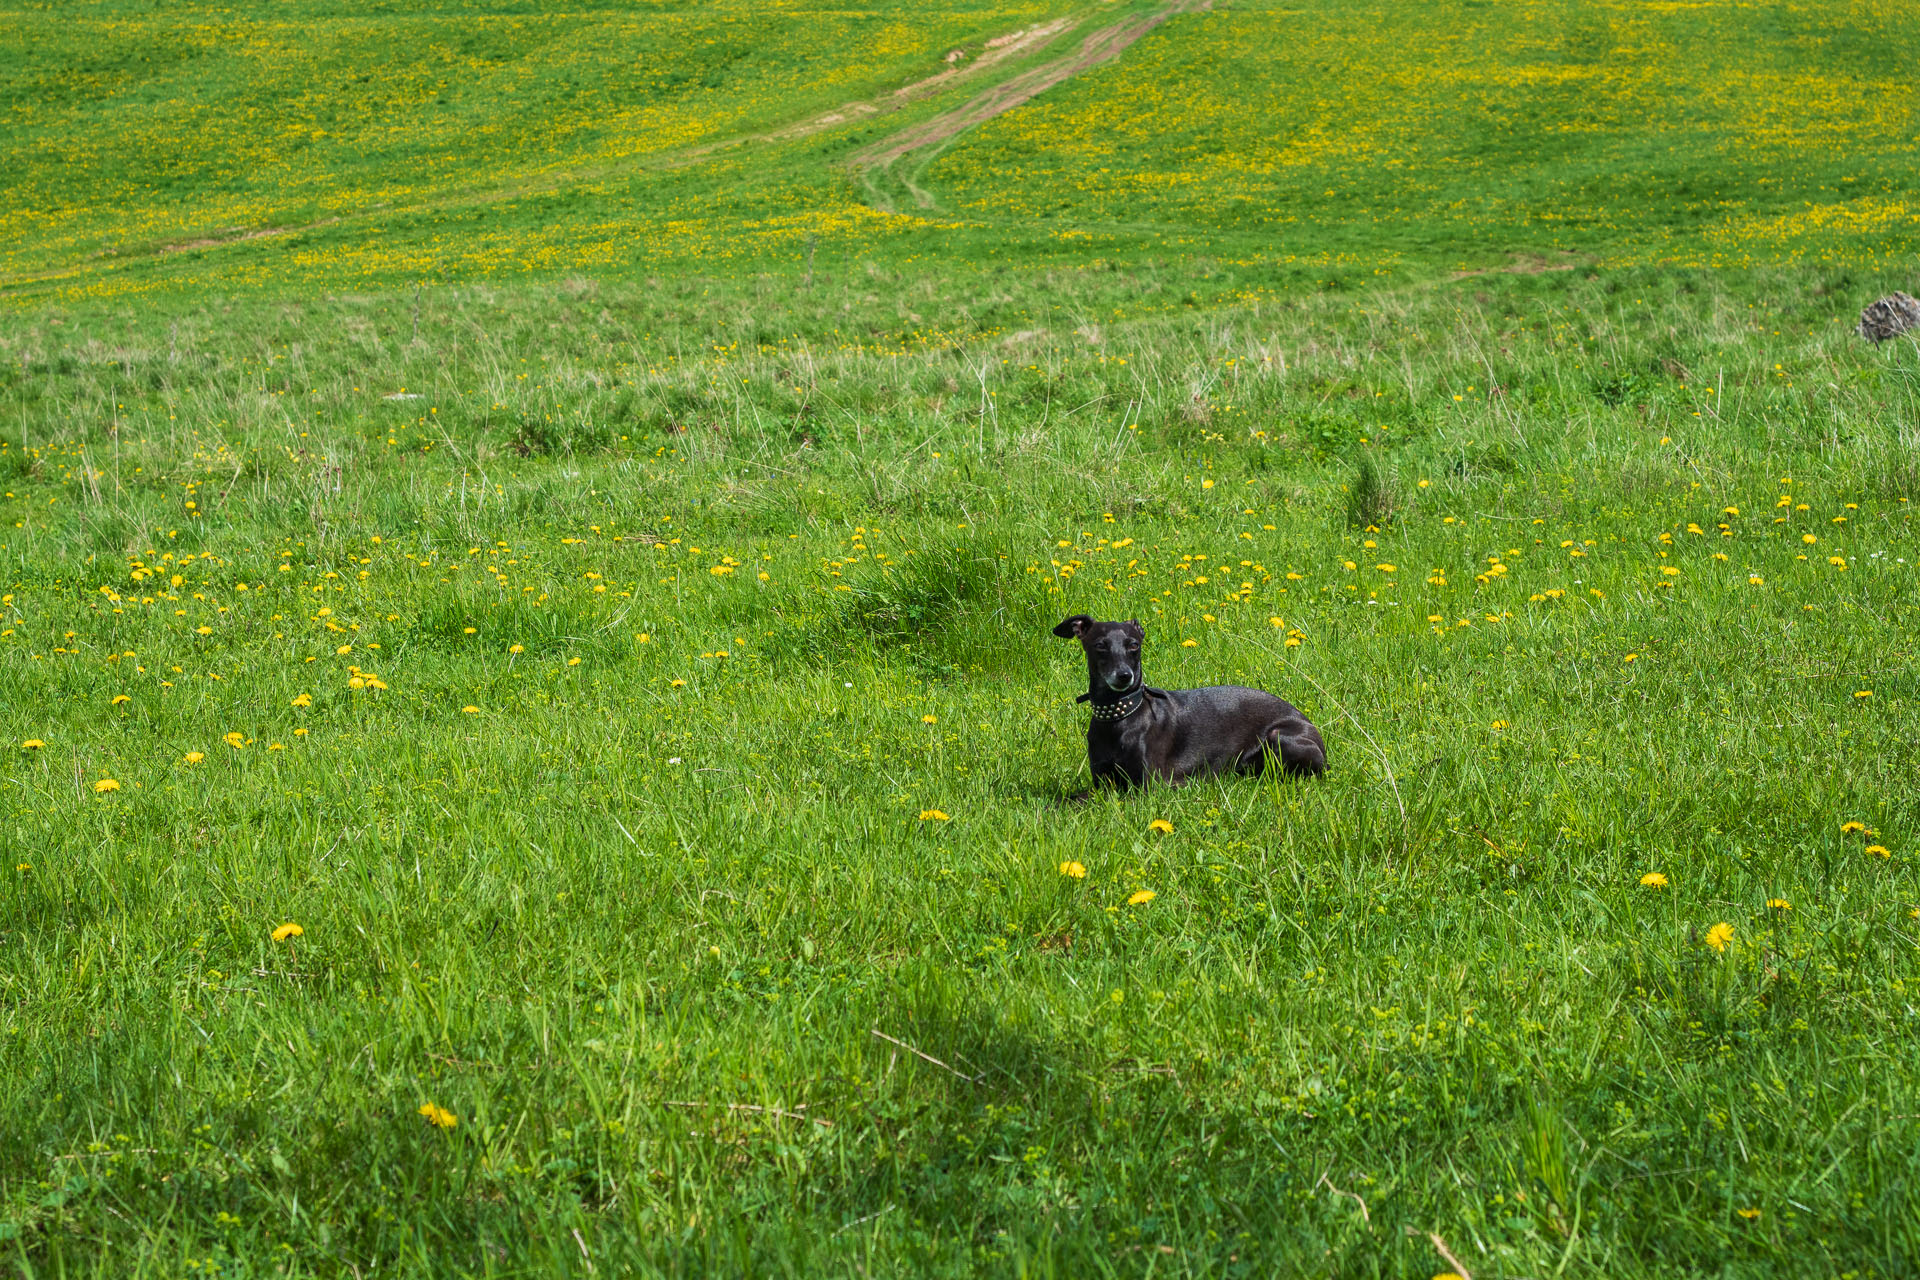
(1370, 498)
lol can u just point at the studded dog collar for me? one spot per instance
(1120, 710)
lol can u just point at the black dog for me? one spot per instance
(1137, 731)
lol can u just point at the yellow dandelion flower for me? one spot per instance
(676, 684)
(1141, 899)
(304, 700)
(573, 662)
(1719, 936)
(195, 757)
(1387, 568)
(932, 815)
(276, 746)
(1189, 644)
(344, 649)
(929, 720)
(236, 739)
(356, 682)
(470, 710)
(438, 1117)
(1161, 825)
(1878, 851)
(517, 648)
(1809, 538)
(23, 866)
(1630, 657)
(1073, 870)
(1654, 880)
(1748, 1214)
(32, 744)
(1499, 724)
(287, 930)
(1848, 828)
(105, 785)
(1779, 904)
(1755, 580)
(469, 631)
(1863, 693)
(205, 631)
(120, 699)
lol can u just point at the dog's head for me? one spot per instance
(1113, 650)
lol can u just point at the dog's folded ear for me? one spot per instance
(1072, 627)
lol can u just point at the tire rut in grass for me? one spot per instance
(877, 161)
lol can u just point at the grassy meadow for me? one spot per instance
(591, 569)
(152, 151)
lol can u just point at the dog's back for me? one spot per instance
(1228, 727)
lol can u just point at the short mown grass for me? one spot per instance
(711, 882)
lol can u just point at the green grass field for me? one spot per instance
(591, 567)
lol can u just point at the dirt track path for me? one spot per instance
(998, 50)
(1101, 46)
(1096, 47)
